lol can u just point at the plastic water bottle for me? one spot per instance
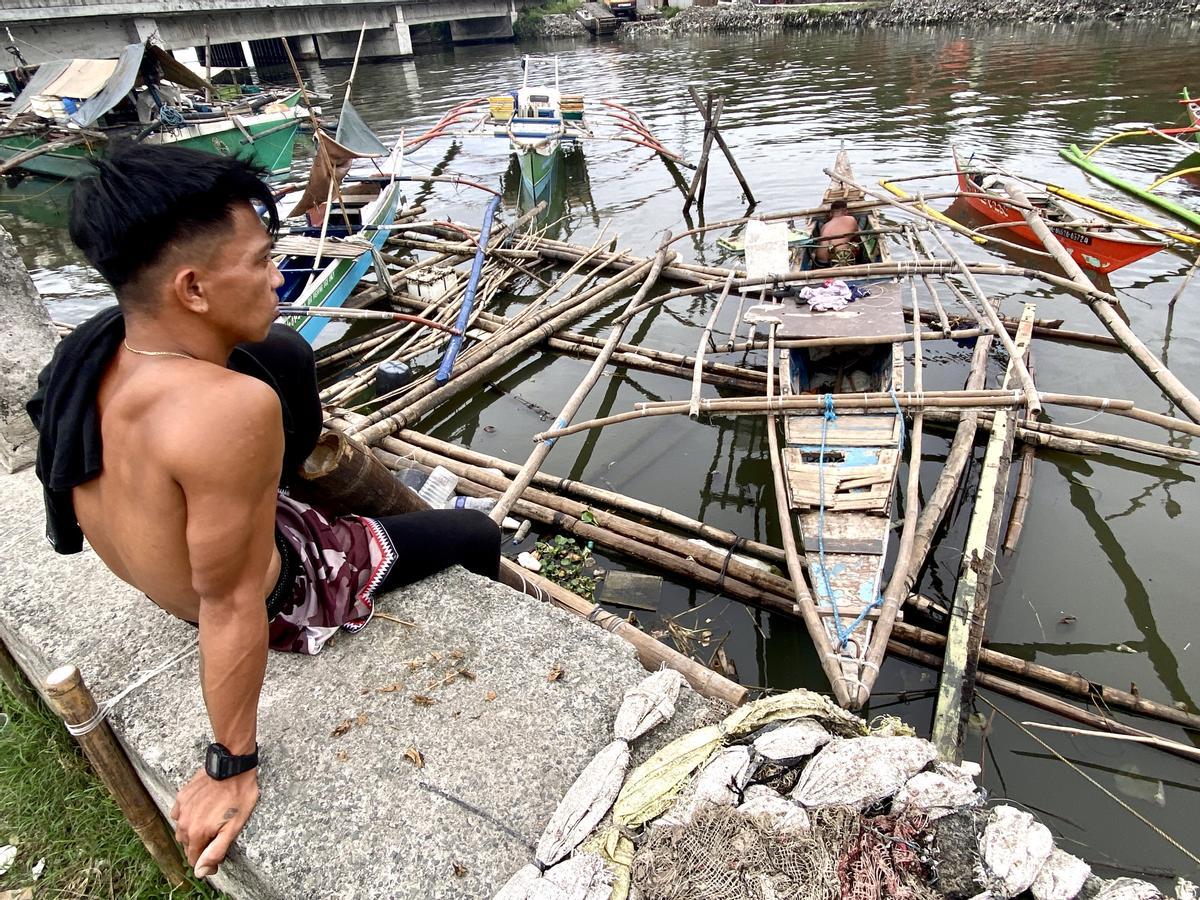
(438, 490)
(483, 504)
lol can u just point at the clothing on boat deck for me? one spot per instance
(330, 566)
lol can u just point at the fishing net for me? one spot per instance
(724, 854)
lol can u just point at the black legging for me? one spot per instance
(425, 542)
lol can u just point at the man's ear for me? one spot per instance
(188, 291)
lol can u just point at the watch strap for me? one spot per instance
(220, 764)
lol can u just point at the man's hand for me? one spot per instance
(209, 815)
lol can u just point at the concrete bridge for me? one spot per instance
(58, 29)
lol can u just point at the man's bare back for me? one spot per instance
(838, 231)
(153, 411)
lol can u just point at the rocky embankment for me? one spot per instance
(748, 16)
(560, 26)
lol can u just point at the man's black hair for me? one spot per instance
(838, 204)
(144, 197)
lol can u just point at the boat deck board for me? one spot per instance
(880, 314)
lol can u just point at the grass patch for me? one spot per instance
(670, 12)
(53, 807)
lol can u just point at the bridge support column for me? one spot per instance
(378, 43)
(304, 46)
(474, 31)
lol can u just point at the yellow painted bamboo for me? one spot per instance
(1118, 213)
(930, 211)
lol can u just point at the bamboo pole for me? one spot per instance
(705, 342)
(532, 331)
(1146, 361)
(1033, 403)
(542, 449)
(652, 653)
(904, 574)
(70, 698)
(590, 494)
(969, 611)
(14, 679)
(710, 131)
(1038, 699)
(958, 400)
(1187, 279)
(1024, 488)
(343, 476)
(737, 172)
(802, 600)
(1071, 683)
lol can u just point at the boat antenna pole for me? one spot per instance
(556, 71)
(525, 71)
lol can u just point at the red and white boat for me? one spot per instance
(1099, 245)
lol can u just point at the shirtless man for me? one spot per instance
(837, 231)
(176, 485)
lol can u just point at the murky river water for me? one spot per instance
(1109, 542)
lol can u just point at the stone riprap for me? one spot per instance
(748, 16)
(26, 342)
(344, 812)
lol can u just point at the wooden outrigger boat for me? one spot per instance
(540, 123)
(70, 109)
(1094, 246)
(839, 467)
(1083, 159)
(346, 223)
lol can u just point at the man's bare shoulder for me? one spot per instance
(224, 419)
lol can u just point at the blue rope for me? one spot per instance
(828, 416)
(843, 632)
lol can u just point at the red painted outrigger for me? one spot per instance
(1094, 246)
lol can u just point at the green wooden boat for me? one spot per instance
(57, 136)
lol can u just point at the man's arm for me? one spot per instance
(229, 482)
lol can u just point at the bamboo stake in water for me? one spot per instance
(543, 448)
(705, 341)
(802, 600)
(1146, 361)
(904, 575)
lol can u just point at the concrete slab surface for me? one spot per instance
(343, 812)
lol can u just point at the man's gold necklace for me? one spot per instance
(156, 352)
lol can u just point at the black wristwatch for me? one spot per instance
(220, 764)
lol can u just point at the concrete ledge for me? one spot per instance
(349, 815)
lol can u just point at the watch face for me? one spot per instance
(212, 761)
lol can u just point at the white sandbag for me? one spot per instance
(1013, 848)
(862, 771)
(1185, 890)
(650, 703)
(1128, 889)
(938, 792)
(717, 784)
(582, 877)
(789, 744)
(584, 804)
(760, 801)
(1061, 877)
(518, 886)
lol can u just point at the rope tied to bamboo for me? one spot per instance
(103, 709)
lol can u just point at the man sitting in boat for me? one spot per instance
(838, 245)
(168, 425)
